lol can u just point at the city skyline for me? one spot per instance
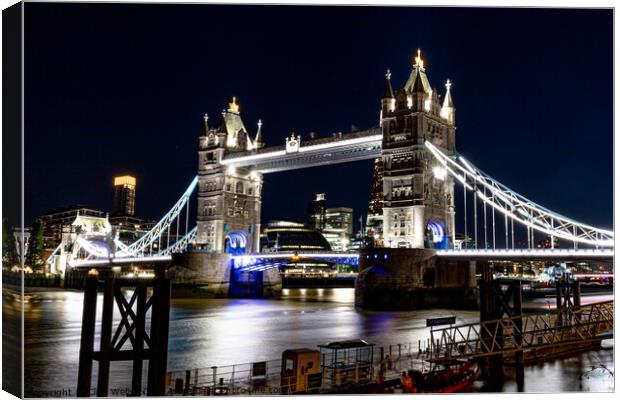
(151, 124)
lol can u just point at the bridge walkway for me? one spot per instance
(541, 330)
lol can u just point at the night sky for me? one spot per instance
(116, 89)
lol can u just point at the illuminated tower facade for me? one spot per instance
(418, 194)
(229, 199)
(124, 196)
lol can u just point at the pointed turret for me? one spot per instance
(205, 131)
(233, 106)
(389, 93)
(236, 135)
(418, 85)
(447, 101)
(258, 139)
(418, 94)
(418, 71)
(388, 102)
(448, 110)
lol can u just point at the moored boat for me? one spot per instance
(450, 379)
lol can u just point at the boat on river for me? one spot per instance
(448, 379)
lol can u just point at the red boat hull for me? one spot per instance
(457, 380)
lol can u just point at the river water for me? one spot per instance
(217, 332)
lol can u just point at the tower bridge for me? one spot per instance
(416, 146)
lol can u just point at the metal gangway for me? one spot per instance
(565, 327)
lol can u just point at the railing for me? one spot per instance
(518, 333)
(263, 378)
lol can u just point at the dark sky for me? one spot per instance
(122, 89)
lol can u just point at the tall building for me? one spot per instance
(339, 219)
(338, 228)
(316, 212)
(123, 220)
(418, 205)
(374, 219)
(336, 224)
(124, 195)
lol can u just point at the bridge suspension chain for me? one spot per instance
(156, 232)
(518, 208)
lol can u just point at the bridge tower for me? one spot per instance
(229, 199)
(418, 208)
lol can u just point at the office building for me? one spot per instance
(338, 228)
(124, 195)
(316, 212)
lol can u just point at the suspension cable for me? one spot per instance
(475, 218)
(168, 237)
(512, 228)
(178, 221)
(187, 217)
(506, 228)
(529, 245)
(465, 205)
(493, 211)
(484, 205)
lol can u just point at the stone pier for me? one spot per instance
(204, 274)
(409, 279)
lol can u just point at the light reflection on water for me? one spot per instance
(216, 332)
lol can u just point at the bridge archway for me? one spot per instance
(236, 242)
(436, 235)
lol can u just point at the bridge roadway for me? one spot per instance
(461, 254)
(248, 260)
(354, 146)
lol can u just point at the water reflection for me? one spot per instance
(208, 332)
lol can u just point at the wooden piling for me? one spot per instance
(160, 317)
(136, 380)
(105, 346)
(87, 341)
